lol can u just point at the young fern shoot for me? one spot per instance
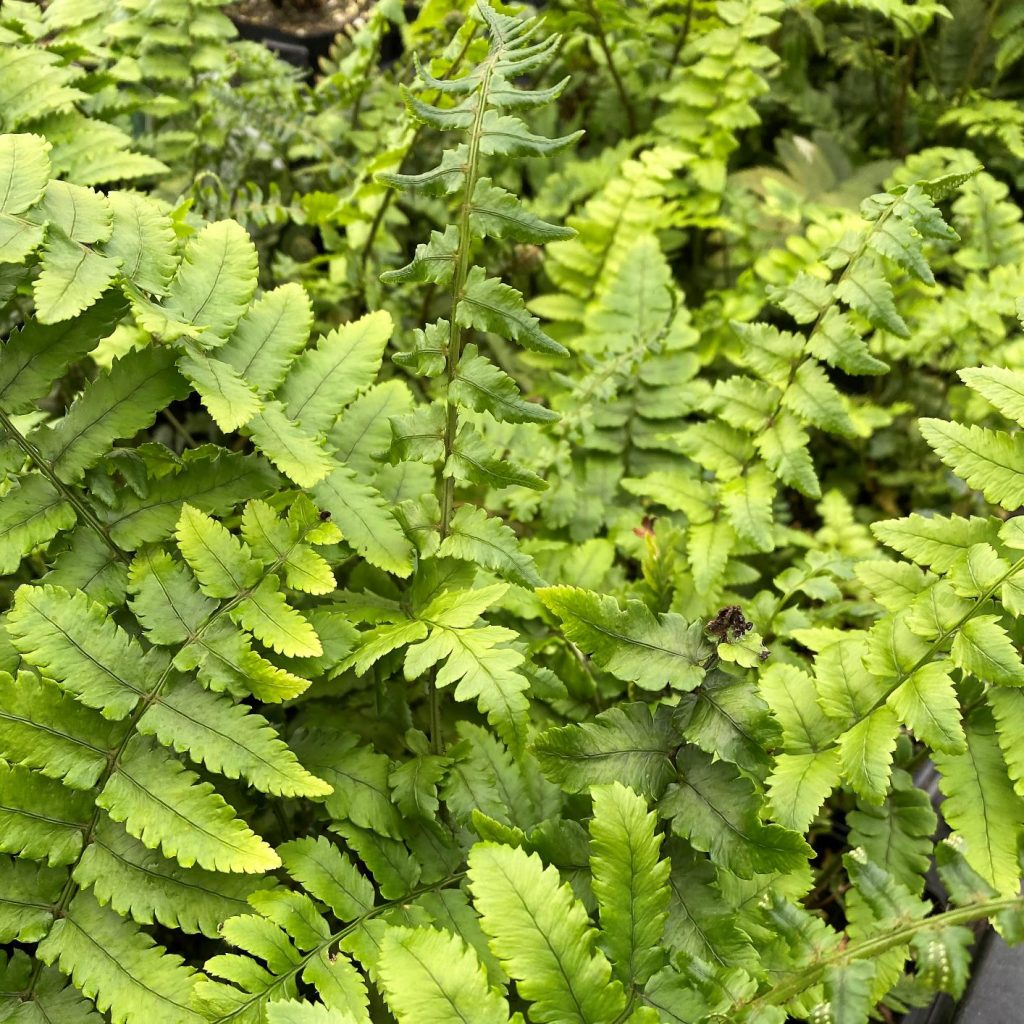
(443, 433)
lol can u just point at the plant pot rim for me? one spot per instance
(325, 23)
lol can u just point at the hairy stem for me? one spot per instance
(620, 88)
(901, 935)
(455, 332)
(683, 36)
(455, 339)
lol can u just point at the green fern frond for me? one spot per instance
(542, 936)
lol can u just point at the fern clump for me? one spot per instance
(556, 625)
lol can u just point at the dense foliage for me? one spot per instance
(496, 535)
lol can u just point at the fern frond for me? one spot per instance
(271, 333)
(214, 284)
(451, 435)
(326, 378)
(364, 519)
(54, 835)
(102, 413)
(542, 936)
(716, 809)
(416, 993)
(481, 662)
(990, 461)
(163, 804)
(629, 882)
(75, 642)
(981, 804)
(142, 884)
(632, 744)
(118, 965)
(37, 354)
(37, 82)
(476, 537)
(631, 643)
(43, 728)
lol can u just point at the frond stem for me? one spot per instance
(455, 332)
(683, 36)
(620, 87)
(455, 337)
(75, 500)
(782, 993)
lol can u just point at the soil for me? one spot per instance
(300, 17)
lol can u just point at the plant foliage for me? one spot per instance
(496, 535)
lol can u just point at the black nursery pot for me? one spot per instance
(303, 50)
(995, 993)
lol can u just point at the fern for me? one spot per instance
(510, 918)
(630, 643)
(722, 74)
(624, 488)
(439, 435)
(129, 816)
(631, 204)
(145, 799)
(902, 669)
(46, 92)
(628, 421)
(760, 420)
